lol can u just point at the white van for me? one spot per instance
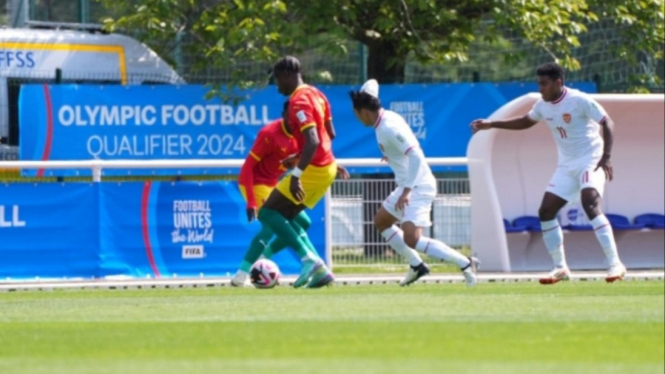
(74, 53)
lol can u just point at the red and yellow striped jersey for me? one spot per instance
(309, 107)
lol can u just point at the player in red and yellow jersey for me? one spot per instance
(309, 117)
(263, 166)
(268, 159)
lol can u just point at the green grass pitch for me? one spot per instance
(495, 328)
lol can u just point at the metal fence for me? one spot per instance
(355, 241)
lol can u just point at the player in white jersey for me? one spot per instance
(575, 120)
(411, 202)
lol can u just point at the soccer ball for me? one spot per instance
(264, 274)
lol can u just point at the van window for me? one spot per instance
(13, 89)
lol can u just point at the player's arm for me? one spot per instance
(416, 159)
(411, 149)
(607, 126)
(597, 113)
(516, 123)
(594, 111)
(330, 128)
(246, 180)
(304, 122)
(309, 149)
(260, 149)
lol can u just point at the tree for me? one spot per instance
(223, 33)
(432, 31)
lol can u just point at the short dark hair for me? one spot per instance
(363, 100)
(552, 70)
(287, 64)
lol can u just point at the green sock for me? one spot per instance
(281, 227)
(256, 247)
(302, 220)
(305, 239)
(273, 248)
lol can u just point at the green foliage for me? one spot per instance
(229, 32)
(224, 33)
(643, 28)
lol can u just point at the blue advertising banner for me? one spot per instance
(71, 122)
(439, 115)
(48, 230)
(154, 229)
(183, 229)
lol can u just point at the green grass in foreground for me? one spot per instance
(508, 328)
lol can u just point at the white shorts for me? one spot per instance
(420, 205)
(569, 181)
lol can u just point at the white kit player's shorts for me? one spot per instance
(569, 181)
(420, 205)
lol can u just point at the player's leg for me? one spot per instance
(275, 214)
(296, 212)
(394, 236)
(553, 237)
(302, 220)
(593, 183)
(435, 248)
(321, 277)
(384, 221)
(302, 233)
(316, 180)
(561, 189)
(258, 244)
(415, 217)
(256, 247)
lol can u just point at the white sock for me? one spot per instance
(307, 258)
(603, 229)
(241, 275)
(394, 236)
(553, 238)
(441, 251)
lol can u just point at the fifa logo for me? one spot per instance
(10, 217)
(193, 251)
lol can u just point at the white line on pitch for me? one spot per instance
(288, 281)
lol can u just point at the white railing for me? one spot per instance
(97, 166)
